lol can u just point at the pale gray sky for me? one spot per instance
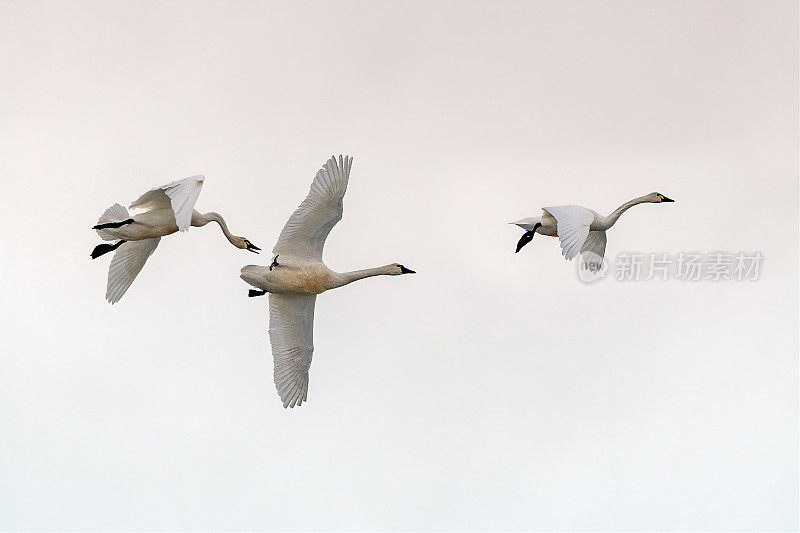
(489, 391)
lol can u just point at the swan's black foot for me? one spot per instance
(113, 224)
(526, 237)
(101, 249)
(252, 292)
(274, 263)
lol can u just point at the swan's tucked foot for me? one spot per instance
(101, 249)
(274, 263)
(526, 237)
(252, 292)
(113, 224)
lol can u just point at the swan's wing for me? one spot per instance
(595, 243)
(593, 250)
(128, 261)
(572, 224)
(291, 333)
(306, 230)
(179, 195)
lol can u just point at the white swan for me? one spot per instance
(579, 229)
(168, 209)
(297, 274)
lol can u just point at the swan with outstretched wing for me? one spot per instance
(166, 210)
(297, 274)
(579, 230)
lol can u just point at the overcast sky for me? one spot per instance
(492, 390)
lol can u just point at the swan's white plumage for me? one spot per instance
(305, 232)
(527, 223)
(128, 261)
(179, 195)
(595, 243)
(291, 333)
(115, 213)
(297, 274)
(291, 317)
(580, 230)
(573, 223)
(166, 210)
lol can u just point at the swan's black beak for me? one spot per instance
(404, 270)
(252, 247)
(525, 239)
(665, 199)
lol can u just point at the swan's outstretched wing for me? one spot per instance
(179, 195)
(593, 250)
(305, 232)
(128, 261)
(572, 224)
(595, 243)
(291, 333)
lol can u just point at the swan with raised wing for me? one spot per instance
(579, 230)
(297, 274)
(167, 209)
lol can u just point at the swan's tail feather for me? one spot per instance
(254, 275)
(527, 223)
(113, 215)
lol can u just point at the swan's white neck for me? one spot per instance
(611, 219)
(201, 219)
(343, 278)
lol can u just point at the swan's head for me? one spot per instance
(397, 269)
(657, 198)
(244, 244)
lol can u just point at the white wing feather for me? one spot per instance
(595, 243)
(305, 232)
(291, 333)
(572, 224)
(128, 261)
(179, 195)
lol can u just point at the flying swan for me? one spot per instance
(168, 209)
(579, 229)
(297, 274)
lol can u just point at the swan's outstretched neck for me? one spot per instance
(611, 219)
(201, 219)
(343, 278)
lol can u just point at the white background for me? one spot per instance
(489, 391)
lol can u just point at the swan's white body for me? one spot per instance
(298, 274)
(580, 230)
(168, 209)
